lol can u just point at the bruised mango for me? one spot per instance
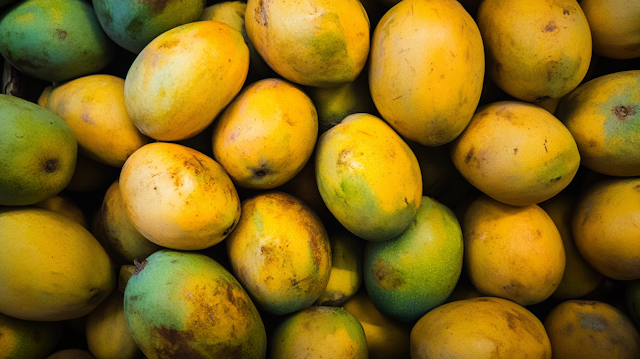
(368, 177)
(186, 305)
(280, 252)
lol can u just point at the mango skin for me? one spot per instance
(39, 152)
(26, 339)
(484, 327)
(319, 332)
(603, 116)
(69, 272)
(184, 78)
(133, 24)
(590, 330)
(426, 69)
(106, 330)
(54, 40)
(186, 305)
(280, 252)
(368, 177)
(416, 271)
(615, 28)
(546, 56)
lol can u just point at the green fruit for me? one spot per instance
(133, 24)
(415, 272)
(186, 305)
(27, 339)
(38, 152)
(54, 40)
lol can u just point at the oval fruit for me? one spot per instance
(68, 272)
(28, 339)
(107, 334)
(186, 305)
(427, 69)
(368, 177)
(516, 153)
(280, 252)
(39, 152)
(484, 327)
(178, 197)
(411, 274)
(615, 28)
(603, 116)
(184, 78)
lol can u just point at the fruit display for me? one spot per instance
(319, 179)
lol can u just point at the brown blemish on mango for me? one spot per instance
(385, 275)
(172, 343)
(157, 6)
(550, 27)
(623, 112)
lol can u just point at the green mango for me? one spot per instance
(54, 40)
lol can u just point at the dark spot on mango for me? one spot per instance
(469, 155)
(61, 34)
(172, 343)
(556, 179)
(133, 298)
(261, 13)
(50, 166)
(551, 26)
(623, 112)
(157, 6)
(135, 26)
(96, 297)
(169, 43)
(594, 322)
(515, 150)
(385, 275)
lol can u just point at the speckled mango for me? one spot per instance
(28, 339)
(319, 332)
(368, 177)
(280, 252)
(186, 305)
(133, 24)
(416, 271)
(603, 115)
(184, 78)
(426, 69)
(54, 40)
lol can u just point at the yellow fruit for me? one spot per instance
(51, 268)
(310, 42)
(535, 49)
(584, 329)
(512, 252)
(605, 227)
(266, 135)
(64, 205)
(615, 28)
(427, 68)
(27, 339)
(347, 254)
(184, 78)
(280, 252)
(368, 177)
(516, 153)
(484, 327)
(93, 106)
(107, 334)
(178, 197)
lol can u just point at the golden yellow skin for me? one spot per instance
(44, 96)
(603, 115)
(320, 332)
(280, 252)
(387, 338)
(178, 197)
(310, 42)
(368, 177)
(604, 227)
(64, 205)
(516, 153)
(484, 327)
(93, 106)
(579, 277)
(184, 78)
(512, 252)
(266, 135)
(51, 268)
(27, 339)
(427, 69)
(535, 49)
(591, 330)
(615, 28)
(107, 334)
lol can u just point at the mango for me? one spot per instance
(68, 275)
(71, 354)
(54, 40)
(28, 339)
(186, 305)
(347, 256)
(614, 26)
(368, 177)
(107, 334)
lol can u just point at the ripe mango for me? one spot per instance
(28, 339)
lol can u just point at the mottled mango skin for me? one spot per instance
(615, 28)
(590, 330)
(368, 177)
(319, 332)
(416, 271)
(484, 327)
(603, 115)
(27, 339)
(133, 24)
(280, 252)
(54, 40)
(186, 305)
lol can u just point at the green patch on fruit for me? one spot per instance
(330, 49)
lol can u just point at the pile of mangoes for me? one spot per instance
(320, 179)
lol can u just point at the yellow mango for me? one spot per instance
(28, 339)
(184, 78)
(107, 334)
(64, 205)
(615, 28)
